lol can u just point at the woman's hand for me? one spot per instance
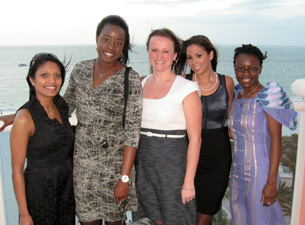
(269, 194)
(25, 219)
(187, 194)
(121, 191)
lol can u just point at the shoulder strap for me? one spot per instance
(125, 93)
(189, 76)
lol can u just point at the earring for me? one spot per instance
(174, 62)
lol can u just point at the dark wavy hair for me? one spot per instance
(119, 21)
(37, 61)
(250, 50)
(165, 32)
(202, 41)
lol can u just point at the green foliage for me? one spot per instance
(289, 153)
(288, 163)
(221, 218)
(285, 194)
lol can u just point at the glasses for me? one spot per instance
(242, 69)
(42, 55)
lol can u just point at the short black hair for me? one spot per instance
(250, 50)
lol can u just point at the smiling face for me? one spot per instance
(48, 80)
(110, 43)
(161, 53)
(247, 70)
(199, 59)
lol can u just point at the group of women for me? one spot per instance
(164, 154)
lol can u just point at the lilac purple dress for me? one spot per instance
(250, 165)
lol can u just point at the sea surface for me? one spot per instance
(284, 64)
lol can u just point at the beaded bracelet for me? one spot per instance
(188, 189)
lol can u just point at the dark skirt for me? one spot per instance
(160, 171)
(213, 170)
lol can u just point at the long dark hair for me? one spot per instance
(202, 41)
(38, 60)
(119, 21)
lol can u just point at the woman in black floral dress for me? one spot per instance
(104, 149)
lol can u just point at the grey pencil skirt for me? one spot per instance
(160, 170)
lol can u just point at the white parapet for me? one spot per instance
(2, 209)
(298, 204)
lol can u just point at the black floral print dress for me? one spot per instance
(99, 112)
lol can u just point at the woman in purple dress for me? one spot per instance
(256, 119)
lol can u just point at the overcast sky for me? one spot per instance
(61, 22)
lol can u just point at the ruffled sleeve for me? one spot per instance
(275, 101)
(238, 88)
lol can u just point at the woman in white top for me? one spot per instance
(170, 139)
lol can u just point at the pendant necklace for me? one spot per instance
(103, 74)
(249, 92)
(51, 110)
(209, 88)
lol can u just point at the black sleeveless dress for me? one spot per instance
(214, 165)
(48, 173)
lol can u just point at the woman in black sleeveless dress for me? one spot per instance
(42, 134)
(216, 96)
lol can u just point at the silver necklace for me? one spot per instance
(209, 88)
(249, 92)
(103, 74)
(51, 110)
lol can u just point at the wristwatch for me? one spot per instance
(124, 178)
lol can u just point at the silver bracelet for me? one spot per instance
(188, 189)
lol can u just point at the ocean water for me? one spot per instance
(284, 65)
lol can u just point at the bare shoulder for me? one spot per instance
(229, 81)
(22, 116)
(23, 120)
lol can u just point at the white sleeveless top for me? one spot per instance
(167, 113)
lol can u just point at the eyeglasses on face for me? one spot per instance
(242, 69)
